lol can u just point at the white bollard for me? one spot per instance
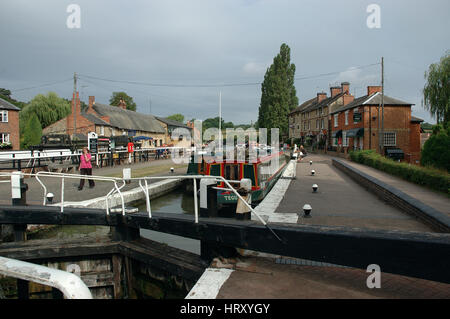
(127, 175)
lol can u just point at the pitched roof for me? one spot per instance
(303, 106)
(94, 119)
(130, 120)
(5, 105)
(312, 104)
(373, 99)
(416, 119)
(171, 122)
(324, 102)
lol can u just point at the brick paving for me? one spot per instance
(266, 279)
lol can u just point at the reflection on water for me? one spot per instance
(176, 202)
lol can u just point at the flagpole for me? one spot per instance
(220, 119)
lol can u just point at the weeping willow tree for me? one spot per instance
(48, 109)
(436, 92)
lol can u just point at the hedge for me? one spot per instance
(426, 176)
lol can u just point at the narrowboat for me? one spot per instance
(263, 173)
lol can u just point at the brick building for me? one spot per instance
(357, 125)
(107, 120)
(9, 124)
(311, 120)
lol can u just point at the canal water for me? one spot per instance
(176, 202)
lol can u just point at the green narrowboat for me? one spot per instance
(263, 173)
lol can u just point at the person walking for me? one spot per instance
(85, 168)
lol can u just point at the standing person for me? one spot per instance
(303, 151)
(85, 168)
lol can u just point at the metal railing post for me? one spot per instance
(195, 200)
(62, 195)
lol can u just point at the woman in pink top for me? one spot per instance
(85, 168)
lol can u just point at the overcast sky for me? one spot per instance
(193, 42)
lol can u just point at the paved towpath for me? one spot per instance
(340, 201)
(432, 198)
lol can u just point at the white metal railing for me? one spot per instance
(64, 176)
(117, 189)
(68, 283)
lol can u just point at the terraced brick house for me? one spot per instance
(357, 125)
(9, 126)
(311, 121)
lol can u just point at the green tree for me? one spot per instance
(214, 122)
(48, 109)
(117, 96)
(177, 117)
(279, 95)
(32, 132)
(437, 90)
(436, 150)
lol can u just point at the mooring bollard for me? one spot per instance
(307, 211)
(50, 197)
(242, 210)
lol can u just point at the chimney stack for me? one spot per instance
(122, 104)
(335, 90)
(345, 86)
(373, 89)
(347, 99)
(321, 96)
(91, 101)
(76, 104)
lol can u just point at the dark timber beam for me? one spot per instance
(421, 255)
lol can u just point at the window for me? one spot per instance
(336, 118)
(3, 116)
(390, 139)
(102, 130)
(317, 124)
(346, 117)
(5, 138)
(344, 138)
(321, 124)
